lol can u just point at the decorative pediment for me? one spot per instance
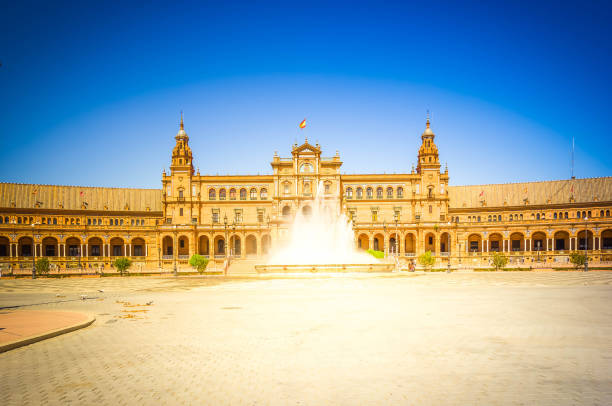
(306, 148)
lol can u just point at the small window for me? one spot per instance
(389, 193)
(181, 211)
(499, 218)
(349, 193)
(253, 194)
(374, 215)
(182, 243)
(243, 194)
(88, 222)
(400, 192)
(327, 188)
(430, 209)
(379, 193)
(286, 187)
(232, 194)
(369, 193)
(263, 194)
(211, 194)
(359, 193)
(222, 194)
(555, 216)
(180, 193)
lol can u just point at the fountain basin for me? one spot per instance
(315, 268)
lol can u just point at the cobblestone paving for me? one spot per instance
(490, 338)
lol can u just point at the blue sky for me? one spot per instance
(90, 93)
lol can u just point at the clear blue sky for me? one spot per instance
(90, 92)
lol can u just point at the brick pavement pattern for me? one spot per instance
(493, 338)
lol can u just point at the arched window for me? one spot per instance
(369, 193)
(499, 217)
(389, 193)
(538, 216)
(607, 214)
(601, 213)
(566, 215)
(212, 195)
(479, 219)
(489, 218)
(286, 187)
(578, 214)
(510, 217)
(555, 216)
(379, 193)
(222, 194)
(359, 193)
(243, 194)
(180, 193)
(232, 194)
(306, 168)
(253, 194)
(400, 192)
(349, 193)
(263, 194)
(286, 211)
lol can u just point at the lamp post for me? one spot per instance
(225, 226)
(175, 251)
(586, 244)
(33, 253)
(448, 269)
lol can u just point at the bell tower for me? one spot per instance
(428, 153)
(182, 160)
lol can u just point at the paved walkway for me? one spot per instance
(23, 327)
(508, 338)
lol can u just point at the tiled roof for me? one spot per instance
(535, 193)
(78, 197)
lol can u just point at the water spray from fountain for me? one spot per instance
(320, 234)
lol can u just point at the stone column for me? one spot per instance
(86, 250)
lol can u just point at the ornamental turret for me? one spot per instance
(428, 153)
(182, 160)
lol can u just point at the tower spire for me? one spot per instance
(427, 121)
(182, 127)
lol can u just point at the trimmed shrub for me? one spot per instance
(198, 262)
(42, 266)
(427, 260)
(376, 254)
(122, 265)
(499, 260)
(578, 259)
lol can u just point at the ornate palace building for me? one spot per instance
(245, 216)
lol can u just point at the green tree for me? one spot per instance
(499, 260)
(42, 266)
(122, 265)
(427, 259)
(578, 259)
(376, 254)
(199, 262)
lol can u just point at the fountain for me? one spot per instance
(321, 239)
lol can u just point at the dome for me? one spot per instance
(428, 129)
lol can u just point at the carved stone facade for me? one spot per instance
(245, 216)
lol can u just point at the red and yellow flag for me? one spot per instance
(303, 123)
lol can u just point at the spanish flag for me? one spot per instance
(303, 123)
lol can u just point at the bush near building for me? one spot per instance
(427, 260)
(122, 265)
(578, 259)
(42, 266)
(376, 254)
(199, 262)
(499, 260)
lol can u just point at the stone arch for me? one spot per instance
(182, 245)
(212, 194)
(589, 240)
(307, 210)
(232, 194)
(389, 193)
(561, 241)
(49, 247)
(538, 241)
(95, 247)
(363, 242)
(430, 242)
(251, 245)
(410, 244)
(496, 242)
(222, 194)
(266, 244)
(253, 194)
(517, 242)
(606, 240)
(138, 247)
(235, 245)
(167, 246)
(286, 211)
(378, 243)
(219, 245)
(394, 243)
(263, 193)
(117, 247)
(474, 243)
(445, 241)
(5, 246)
(24, 247)
(204, 245)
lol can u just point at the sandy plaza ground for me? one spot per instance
(426, 339)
